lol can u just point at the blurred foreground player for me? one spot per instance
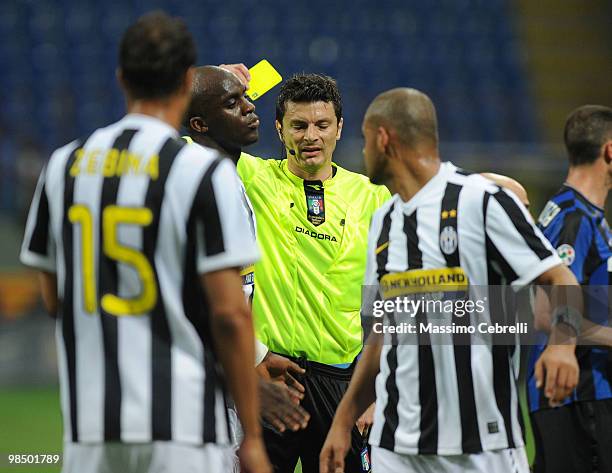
(577, 437)
(444, 402)
(139, 238)
(221, 117)
(312, 221)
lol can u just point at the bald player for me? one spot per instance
(440, 405)
(221, 117)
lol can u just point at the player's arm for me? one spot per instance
(232, 329)
(48, 288)
(38, 247)
(223, 246)
(590, 333)
(574, 238)
(526, 255)
(557, 367)
(359, 396)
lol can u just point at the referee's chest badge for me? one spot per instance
(448, 240)
(316, 208)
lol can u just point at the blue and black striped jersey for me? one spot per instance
(579, 231)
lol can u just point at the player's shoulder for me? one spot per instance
(386, 208)
(65, 150)
(196, 150)
(567, 210)
(471, 180)
(192, 149)
(55, 166)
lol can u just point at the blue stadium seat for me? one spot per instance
(463, 52)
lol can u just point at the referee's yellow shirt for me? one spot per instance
(313, 242)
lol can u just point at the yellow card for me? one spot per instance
(263, 78)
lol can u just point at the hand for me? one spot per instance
(278, 369)
(253, 457)
(240, 71)
(280, 408)
(559, 365)
(335, 448)
(366, 419)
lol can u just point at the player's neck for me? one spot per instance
(164, 110)
(412, 174)
(590, 182)
(207, 141)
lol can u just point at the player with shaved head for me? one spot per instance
(221, 117)
(444, 401)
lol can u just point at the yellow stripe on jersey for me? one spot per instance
(418, 281)
(247, 270)
(382, 247)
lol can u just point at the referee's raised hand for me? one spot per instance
(239, 70)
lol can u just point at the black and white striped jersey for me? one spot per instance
(248, 272)
(436, 395)
(128, 219)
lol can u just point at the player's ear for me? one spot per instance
(198, 124)
(279, 130)
(607, 152)
(382, 139)
(340, 123)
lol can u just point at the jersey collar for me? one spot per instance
(432, 186)
(587, 202)
(139, 119)
(298, 181)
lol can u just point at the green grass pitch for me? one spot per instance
(30, 422)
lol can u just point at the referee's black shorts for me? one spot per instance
(325, 385)
(576, 438)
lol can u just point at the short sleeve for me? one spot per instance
(573, 242)
(370, 290)
(223, 228)
(261, 351)
(524, 251)
(38, 247)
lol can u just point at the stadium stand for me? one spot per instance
(463, 53)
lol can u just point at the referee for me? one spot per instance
(139, 238)
(444, 402)
(312, 223)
